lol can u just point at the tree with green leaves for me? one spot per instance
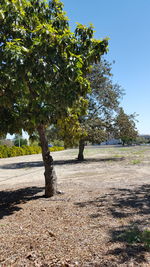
(43, 69)
(125, 127)
(95, 125)
(20, 141)
(103, 103)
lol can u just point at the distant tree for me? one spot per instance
(141, 140)
(43, 69)
(2, 137)
(103, 102)
(95, 133)
(94, 123)
(19, 141)
(125, 127)
(53, 136)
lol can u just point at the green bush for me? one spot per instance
(6, 152)
(56, 148)
(59, 143)
(20, 142)
(29, 150)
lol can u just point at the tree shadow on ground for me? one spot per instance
(128, 211)
(9, 200)
(87, 160)
(22, 165)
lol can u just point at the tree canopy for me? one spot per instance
(42, 62)
(125, 127)
(95, 121)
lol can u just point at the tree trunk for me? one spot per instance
(50, 175)
(81, 150)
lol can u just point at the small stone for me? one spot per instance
(51, 234)
(43, 209)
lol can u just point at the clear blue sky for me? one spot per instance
(127, 24)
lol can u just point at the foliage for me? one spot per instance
(56, 148)
(105, 95)
(91, 120)
(20, 142)
(103, 102)
(135, 235)
(58, 143)
(145, 237)
(125, 128)
(14, 151)
(53, 137)
(43, 64)
(69, 127)
(2, 137)
(52, 133)
(136, 161)
(142, 140)
(33, 143)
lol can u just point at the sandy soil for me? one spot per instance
(103, 197)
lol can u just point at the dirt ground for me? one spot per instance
(102, 198)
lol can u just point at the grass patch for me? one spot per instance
(136, 161)
(139, 152)
(117, 156)
(135, 236)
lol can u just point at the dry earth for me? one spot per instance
(104, 197)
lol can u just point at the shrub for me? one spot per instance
(20, 142)
(136, 161)
(58, 143)
(6, 152)
(56, 148)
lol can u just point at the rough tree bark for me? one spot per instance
(50, 175)
(81, 150)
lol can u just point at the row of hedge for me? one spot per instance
(14, 151)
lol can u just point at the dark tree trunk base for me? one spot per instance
(81, 150)
(80, 158)
(50, 175)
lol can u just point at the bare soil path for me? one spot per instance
(104, 196)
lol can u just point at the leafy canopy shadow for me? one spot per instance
(132, 204)
(10, 200)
